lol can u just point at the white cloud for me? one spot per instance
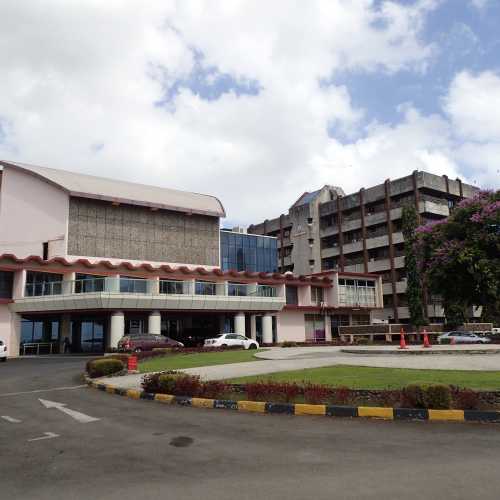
(473, 102)
(480, 4)
(80, 81)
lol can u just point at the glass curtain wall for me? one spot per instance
(248, 252)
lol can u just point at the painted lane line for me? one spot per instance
(79, 417)
(36, 391)
(47, 435)
(12, 420)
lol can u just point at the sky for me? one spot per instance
(254, 101)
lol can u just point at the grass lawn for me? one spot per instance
(179, 361)
(360, 377)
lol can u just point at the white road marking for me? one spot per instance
(79, 417)
(47, 435)
(43, 390)
(12, 420)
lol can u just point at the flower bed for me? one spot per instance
(427, 396)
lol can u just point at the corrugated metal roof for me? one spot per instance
(101, 188)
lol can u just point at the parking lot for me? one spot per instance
(103, 446)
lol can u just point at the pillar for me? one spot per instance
(328, 328)
(239, 323)
(154, 323)
(253, 327)
(117, 328)
(112, 283)
(65, 331)
(153, 285)
(267, 329)
(68, 286)
(19, 284)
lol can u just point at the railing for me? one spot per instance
(143, 286)
(35, 346)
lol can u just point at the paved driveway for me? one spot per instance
(140, 449)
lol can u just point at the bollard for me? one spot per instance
(132, 363)
(426, 339)
(402, 342)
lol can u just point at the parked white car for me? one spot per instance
(3, 351)
(230, 340)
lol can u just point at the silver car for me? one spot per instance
(462, 338)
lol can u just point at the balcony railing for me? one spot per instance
(125, 285)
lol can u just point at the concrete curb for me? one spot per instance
(306, 409)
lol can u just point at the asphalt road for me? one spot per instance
(144, 450)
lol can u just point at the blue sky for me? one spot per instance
(253, 102)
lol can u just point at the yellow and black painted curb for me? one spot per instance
(307, 409)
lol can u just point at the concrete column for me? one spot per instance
(267, 329)
(154, 323)
(304, 295)
(239, 323)
(117, 328)
(112, 283)
(153, 286)
(188, 287)
(221, 288)
(65, 331)
(19, 284)
(253, 327)
(281, 290)
(328, 328)
(68, 286)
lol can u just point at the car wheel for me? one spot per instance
(223, 345)
(3, 360)
(252, 346)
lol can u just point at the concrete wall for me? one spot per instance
(100, 229)
(32, 212)
(291, 326)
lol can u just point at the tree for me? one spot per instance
(414, 284)
(460, 256)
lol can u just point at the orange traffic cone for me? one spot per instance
(402, 342)
(426, 339)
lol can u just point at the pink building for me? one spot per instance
(92, 259)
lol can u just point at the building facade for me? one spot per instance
(90, 260)
(241, 251)
(362, 232)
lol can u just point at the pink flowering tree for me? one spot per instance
(460, 257)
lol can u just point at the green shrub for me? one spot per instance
(166, 383)
(151, 381)
(289, 343)
(414, 396)
(433, 396)
(438, 397)
(104, 366)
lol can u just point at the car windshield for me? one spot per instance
(220, 335)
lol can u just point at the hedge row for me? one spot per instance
(429, 396)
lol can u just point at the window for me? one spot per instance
(292, 296)
(360, 319)
(38, 283)
(316, 295)
(205, 288)
(315, 328)
(45, 250)
(171, 287)
(87, 283)
(6, 284)
(133, 285)
(237, 289)
(354, 292)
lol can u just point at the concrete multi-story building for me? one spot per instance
(90, 259)
(361, 232)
